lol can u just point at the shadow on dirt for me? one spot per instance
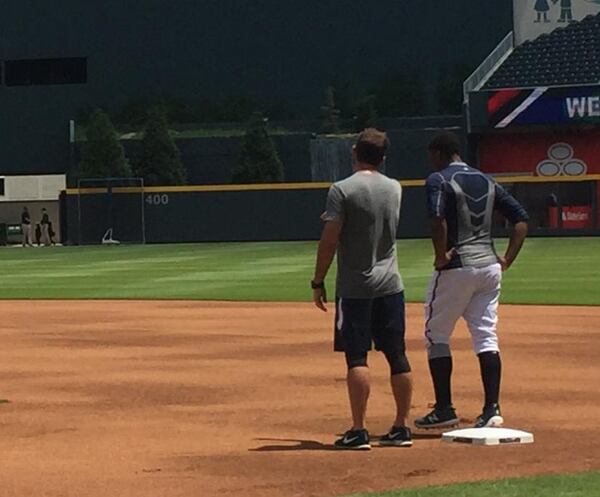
(284, 445)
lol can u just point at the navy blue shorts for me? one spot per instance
(361, 322)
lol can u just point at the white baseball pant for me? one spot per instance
(472, 293)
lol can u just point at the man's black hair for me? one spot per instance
(447, 143)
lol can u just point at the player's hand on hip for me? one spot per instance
(320, 298)
(442, 261)
(503, 262)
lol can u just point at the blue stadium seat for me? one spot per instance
(567, 56)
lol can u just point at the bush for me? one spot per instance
(160, 159)
(259, 161)
(103, 155)
(365, 113)
(330, 114)
(399, 94)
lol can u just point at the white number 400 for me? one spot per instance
(157, 199)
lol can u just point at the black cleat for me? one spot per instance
(490, 417)
(438, 418)
(397, 437)
(354, 440)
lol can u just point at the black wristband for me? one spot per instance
(317, 286)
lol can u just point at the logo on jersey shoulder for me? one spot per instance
(561, 161)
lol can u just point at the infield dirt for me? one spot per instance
(187, 399)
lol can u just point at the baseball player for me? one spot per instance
(361, 220)
(468, 272)
(45, 224)
(26, 227)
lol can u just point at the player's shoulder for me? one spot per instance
(464, 169)
(342, 186)
(478, 172)
(354, 179)
(384, 178)
(436, 178)
(391, 186)
(358, 180)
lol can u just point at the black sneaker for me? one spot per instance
(354, 440)
(438, 418)
(490, 417)
(397, 437)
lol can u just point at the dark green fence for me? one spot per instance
(173, 215)
(560, 207)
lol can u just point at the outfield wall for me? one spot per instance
(286, 212)
(202, 214)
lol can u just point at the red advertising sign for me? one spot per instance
(598, 204)
(574, 217)
(548, 154)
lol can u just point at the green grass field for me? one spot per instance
(550, 271)
(581, 485)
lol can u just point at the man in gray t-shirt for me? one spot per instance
(361, 220)
(367, 263)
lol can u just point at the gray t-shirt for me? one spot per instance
(368, 205)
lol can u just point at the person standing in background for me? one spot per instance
(26, 227)
(45, 225)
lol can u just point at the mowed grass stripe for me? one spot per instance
(550, 271)
(579, 485)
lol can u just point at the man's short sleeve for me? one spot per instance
(436, 196)
(334, 210)
(509, 207)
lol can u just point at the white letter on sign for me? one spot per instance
(576, 107)
(594, 106)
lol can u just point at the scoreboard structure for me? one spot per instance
(533, 18)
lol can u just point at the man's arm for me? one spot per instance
(334, 217)
(325, 254)
(517, 238)
(436, 207)
(439, 237)
(514, 212)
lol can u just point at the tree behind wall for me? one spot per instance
(330, 124)
(450, 89)
(259, 161)
(399, 94)
(103, 155)
(365, 113)
(160, 160)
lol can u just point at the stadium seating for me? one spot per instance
(567, 56)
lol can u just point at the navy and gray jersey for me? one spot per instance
(466, 198)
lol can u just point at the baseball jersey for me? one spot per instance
(467, 199)
(368, 205)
